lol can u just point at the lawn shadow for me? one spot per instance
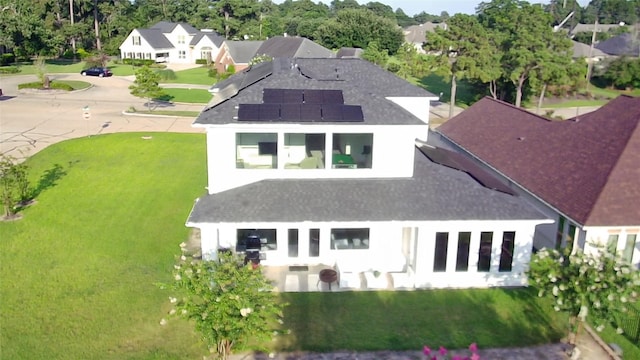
(49, 179)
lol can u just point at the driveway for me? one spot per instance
(29, 122)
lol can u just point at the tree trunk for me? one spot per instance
(519, 90)
(452, 101)
(96, 25)
(73, 38)
(493, 89)
(226, 24)
(541, 99)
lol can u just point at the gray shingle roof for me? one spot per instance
(280, 46)
(434, 193)
(584, 50)
(167, 27)
(243, 51)
(624, 44)
(349, 52)
(156, 38)
(361, 82)
(215, 38)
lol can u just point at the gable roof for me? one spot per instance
(434, 193)
(623, 44)
(589, 28)
(349, 52)
(361, 82)
(280, 46)
(586, 167)
(156, 38)
(242, 51)
(215, 38)
(167, 27)
(584, 50)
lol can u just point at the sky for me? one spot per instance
(435, 7)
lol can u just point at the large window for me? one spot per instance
(314, 242)
(349, 239)
(440, 253)
(256, 151)
(464, 242)
(352, 151)
(248, 239)
(293, 242)
(560, 232)
(612, 243)
(484, 253)
(506, 255)
(304, 151)
(629, 247)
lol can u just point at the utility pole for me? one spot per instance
(590, 60)
(73, 38)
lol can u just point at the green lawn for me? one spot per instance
(194, 96)
(197, 75)
(79, 270)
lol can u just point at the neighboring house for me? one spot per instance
(583, 172)
(236, 53)
(315, 161)
(626, 44)
(585, 51)
(293, 47)
(349, 53)
(177, 43)
(416, 35)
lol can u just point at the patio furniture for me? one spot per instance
(328, 276)
(376, 279)
(343, 161)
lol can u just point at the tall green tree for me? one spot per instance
(357, 28)
(463, 52)
(527, 40)
(146, 86)
(231, 305)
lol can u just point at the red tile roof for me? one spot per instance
(587, 167)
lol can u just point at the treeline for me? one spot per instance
(59, 27)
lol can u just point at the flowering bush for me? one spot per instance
(584, 284)
(442, 353)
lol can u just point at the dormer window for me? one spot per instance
(136, 40)
(181, 39)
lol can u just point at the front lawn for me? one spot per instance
(191, 96)
(198, 75)
(79, 271)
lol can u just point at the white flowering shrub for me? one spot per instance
(582, 285)
(231, 304)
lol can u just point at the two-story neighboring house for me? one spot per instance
(582, 172)
(177, 43)
(315, 161)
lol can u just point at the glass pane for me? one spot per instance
(440, 253)
(462, 261)
(629, 247)
(293, 242)
(314, 242)
(506, 255)
(342, 239)
(352, 151)
(256, 239)
(612, 244)
(256, 151)
(304, 151)
(484, 253)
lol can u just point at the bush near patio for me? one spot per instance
(79, 271)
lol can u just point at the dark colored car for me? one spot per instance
(96, 71)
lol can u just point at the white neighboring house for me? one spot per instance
(416, 35)
(177, 43)
(316, 161)
(583, 172)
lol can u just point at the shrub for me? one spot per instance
(393, 67)
(52, 85)
(7, 59)
(9, 70)
(201, 61)
(138, 62)
(83, 53)
(166, 74)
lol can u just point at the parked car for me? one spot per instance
(96, 71)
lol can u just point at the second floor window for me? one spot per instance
(136, 40)
(181, 39)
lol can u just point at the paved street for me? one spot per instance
(29, 122)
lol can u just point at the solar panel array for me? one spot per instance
(301, 105)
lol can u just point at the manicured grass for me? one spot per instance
(79, 270)
(170, 113)
(409, 320)
(193, 96)
(199, 75)
(576, 103)
(466, 94)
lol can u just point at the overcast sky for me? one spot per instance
(435, 7)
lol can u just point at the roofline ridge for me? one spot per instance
(502, 102)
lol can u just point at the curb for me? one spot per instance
(125, 112)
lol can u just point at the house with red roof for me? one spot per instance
(583, 172)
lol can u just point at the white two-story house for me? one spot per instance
(324, 161)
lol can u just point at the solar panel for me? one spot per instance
(313, 96)
(269, 112)
(292, 96)
(249, 112)
(290, 112)
(310, 112)
(332, 97)
(273, 96)
(331, 112)
(352, 113)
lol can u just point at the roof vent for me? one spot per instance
(521, 138)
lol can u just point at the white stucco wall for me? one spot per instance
(600, 234)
